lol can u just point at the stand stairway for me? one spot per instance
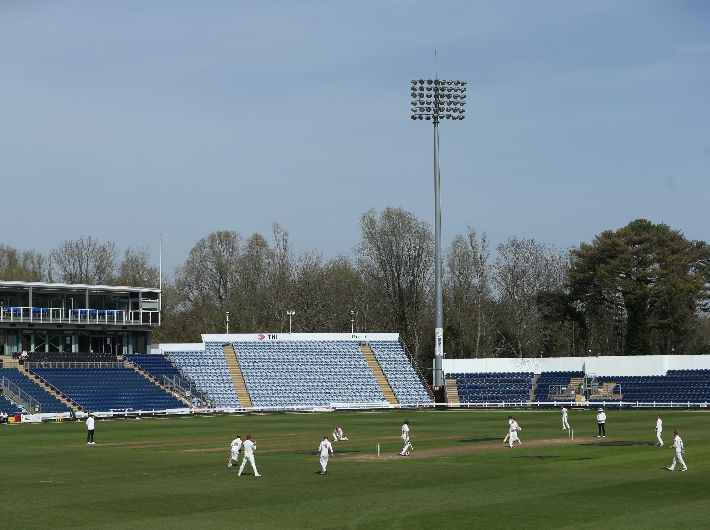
(379, 374)
(533, 388)
(237, 377)
(452, 393)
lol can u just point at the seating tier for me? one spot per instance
(208, 370)
(400, 373)
(306, 373)
(47, 401)
(549, 381)
(109, 389)
(493, 387)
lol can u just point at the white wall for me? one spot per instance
(270, 337)
(616, 365)
(179, 346)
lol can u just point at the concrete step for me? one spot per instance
(452, 393)
(235, 372)
(380, 377)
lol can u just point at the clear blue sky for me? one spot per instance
(126, 119)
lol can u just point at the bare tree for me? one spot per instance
(522, 270)
(396, 254)
(85, 260)
(209, 276)
(467, 290)
(22, 265)
(281, 273)
(136, 269)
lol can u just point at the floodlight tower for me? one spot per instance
(436, 100)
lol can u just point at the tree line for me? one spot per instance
(641, 289)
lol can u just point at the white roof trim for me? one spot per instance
(44, 285)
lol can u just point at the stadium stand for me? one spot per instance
(108, 389)
(208, 369)
(549, 382)
(306, 373)
(491, 387)
(156, 365)
(676, 386)
(47, 401)
(400, 373)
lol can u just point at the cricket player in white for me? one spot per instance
(507, 434)
(679, 450)
(513, 433)
(659, 430)
(249, 447)
(90, 430)
(325, 449)
(234, 449)
(405, 438)
(565, 422)
(601, 423)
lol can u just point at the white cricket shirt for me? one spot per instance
(678, 444)
(249, 447)
(325, 447)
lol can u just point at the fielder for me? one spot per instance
(249, 448)
(405, 439)
(513, 433)
(234, 449)
(601, 423)
(338, 435)
(325, 449)
(507, 434)
(679, 450)
(659, 430)
(565, 421)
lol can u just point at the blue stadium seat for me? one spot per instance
(109, 389)
(47, 401)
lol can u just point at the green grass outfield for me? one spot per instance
(171, 473)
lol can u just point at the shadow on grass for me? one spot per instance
(477, 440)
(537, 457)
(311, 453)
(617, 443)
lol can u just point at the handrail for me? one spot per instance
(32, 365)
(419, 373)
(186, 388)
(585, 404)
(19, 396)
(49, 315)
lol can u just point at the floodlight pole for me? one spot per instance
(435, 99)
(438, 296)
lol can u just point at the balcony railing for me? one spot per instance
(58, 315)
